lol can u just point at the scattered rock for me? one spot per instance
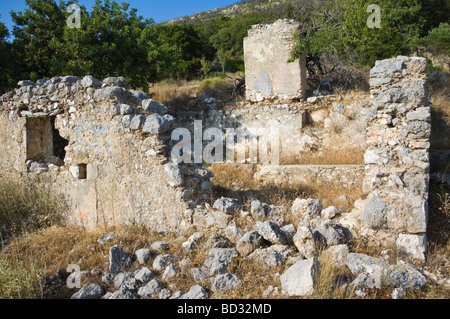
(225, 282)
(195, 292)
(142, 255)
(118, 259)
(248, 243)
(151, 289)
(336, 255)
(218, 260)
(91, 291)
(107, 238)
(162, 261)
(227, 205)
(258, 210)
(306, 208)
(300, 278)
(191, 243)
(270, 231)
(273, 256)
(305, 241)
(144, 275)
(160, 246)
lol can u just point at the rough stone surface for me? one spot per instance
(268, 75)
(162, 261)
(225, 282)
(270, 231)
(142, 255)
(195, 292)
(300, 278)
(91, 291)
(218, 260)
(397, 152)
(305, 241)
(118, 259)
(227, 205)
(248, 243)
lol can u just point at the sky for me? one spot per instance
(158, 10)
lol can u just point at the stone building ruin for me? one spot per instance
(106, 149)
(268, 74)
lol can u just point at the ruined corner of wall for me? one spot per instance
(397, 156)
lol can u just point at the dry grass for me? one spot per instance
(174, 95)
(238, 181)
(336, 156)
(440, 122)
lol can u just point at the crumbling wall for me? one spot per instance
(116, 167)
(397, 156)
(268, 75)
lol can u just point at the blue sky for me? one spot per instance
(158, 10)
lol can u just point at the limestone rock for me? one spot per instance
(115, 81)
(90, 81)
(225, 282)
(91, 291)
(300, 278)
(158, 124)
(174, 174)
(227, 205)
(374, 213)
(305, 241)
(144, 275)
(151, 289)
(248, 243)
(142, 255)
(152, 106)
(218, 260)
(162, 261)
(273, 256)
(270, 231)
(195, 292)
(306, 208)
(118, 259)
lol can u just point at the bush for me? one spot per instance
(438, 39)
(212, 86)
(27, 206)
(17, 281)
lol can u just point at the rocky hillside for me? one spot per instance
(243, 7)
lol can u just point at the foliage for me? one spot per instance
(27, 206)
(17, 281)
(438, 39)
(212, 85)
(341, 27)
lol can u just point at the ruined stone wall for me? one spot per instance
(397, 156)
(268, 75)
(116, 167)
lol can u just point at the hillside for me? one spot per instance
(238, 9)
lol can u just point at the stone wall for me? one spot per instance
(268, 75)
(113, 167)
(397, 156)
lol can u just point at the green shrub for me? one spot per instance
(26, 206)
(18, 281)
(438, 39)
(212, 85)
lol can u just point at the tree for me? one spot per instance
(206, 66)
(341, 27)
(37, 32)
(438, 39)
(223, 56)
